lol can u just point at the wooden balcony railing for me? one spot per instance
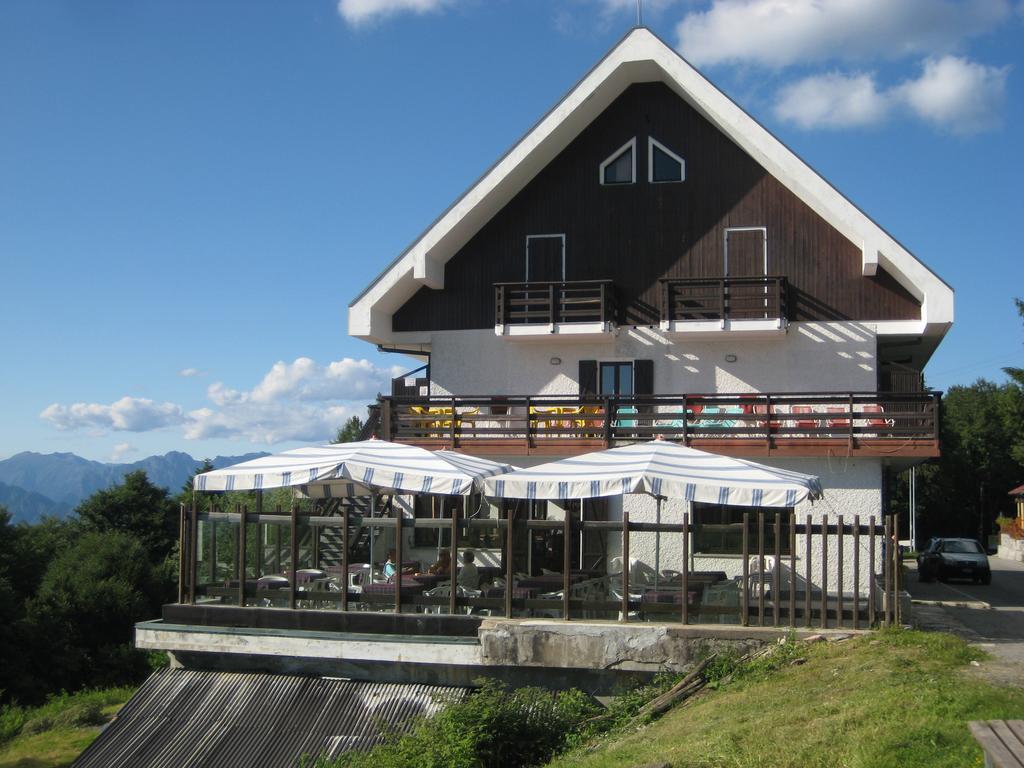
(552, 303)
(723, 298)
(800, 424)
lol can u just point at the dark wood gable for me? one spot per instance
(637, 233)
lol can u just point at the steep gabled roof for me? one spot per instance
(640, 57)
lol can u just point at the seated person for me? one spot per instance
(443, 566)
(390, 569)
(469, 575)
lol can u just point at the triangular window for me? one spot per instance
(620, 168)
(663, 165)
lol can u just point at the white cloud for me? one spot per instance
(129, 414)
(300, 400)
(305, 380)
(358, 12)
(778, 33)
(832, 100)
(269, 423)
(121, 451)
(959, 95)
(190, 372)
(952, 93)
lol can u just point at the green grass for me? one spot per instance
(896, 698)
(53, 735)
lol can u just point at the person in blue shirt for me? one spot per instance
(390, 569)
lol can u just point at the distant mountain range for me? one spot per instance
(37, 484)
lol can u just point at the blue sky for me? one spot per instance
(191, 193)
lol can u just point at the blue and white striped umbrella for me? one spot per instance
(352, 469)
(659, 468)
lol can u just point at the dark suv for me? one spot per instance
(954, 559)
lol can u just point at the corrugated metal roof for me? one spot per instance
(183, 718)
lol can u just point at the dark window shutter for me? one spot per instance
(588, 378)
(643, 377)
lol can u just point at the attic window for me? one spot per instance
(663, 165)
(620, 168)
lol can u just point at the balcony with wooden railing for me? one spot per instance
(578, 307)
(892, 424)
(737, 303)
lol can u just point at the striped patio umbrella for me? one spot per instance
(661, 469)
(354, 469)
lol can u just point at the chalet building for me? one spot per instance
(649, 261)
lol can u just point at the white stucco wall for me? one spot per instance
(814, 356)
(852, 487)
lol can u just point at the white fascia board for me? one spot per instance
(642, 57)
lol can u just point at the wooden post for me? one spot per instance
(528, 426)
(397, 512)
(566, 561)
(454, 549)
(385, 418)
(509, 569)
(608, 418)
(777, 571)
(824, 572)
(277, 543)
(871, 571)
(452, 426)
(242, 512)
(856, 571)
(625, 565)
(840, 580)
(294, 555)
(886, 559)
(261, 531)
(344, 556)
(686, 566)
(213, 551)
(745, 598)
(760, 568)
(808, 535)
(552, 305)
(182, 551)
(896, 569)
(792, 569)
(192, 555)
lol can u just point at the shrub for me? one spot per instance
(492, 728)
(12, 720)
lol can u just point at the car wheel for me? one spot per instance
(986, 579)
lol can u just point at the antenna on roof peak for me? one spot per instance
(639, 13)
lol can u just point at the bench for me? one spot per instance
(1002, 740)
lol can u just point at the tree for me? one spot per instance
(1017, 374)
(963, 491)
(349, 431)
(136, 507)
(82, 617)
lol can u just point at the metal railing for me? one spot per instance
(723, 298)
(554, 303)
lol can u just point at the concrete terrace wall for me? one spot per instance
(810, 357)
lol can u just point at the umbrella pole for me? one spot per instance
(373, 500)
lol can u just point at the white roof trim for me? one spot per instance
(640, 57)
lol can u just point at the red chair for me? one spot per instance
(804, 423)
(838, 423)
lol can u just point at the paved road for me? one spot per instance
(999, 629)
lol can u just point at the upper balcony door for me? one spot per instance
(746, 255)
(545, 258)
